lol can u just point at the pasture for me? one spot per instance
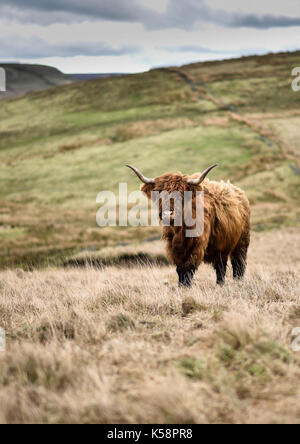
(120, 342)
(126, 345)
(59, 148)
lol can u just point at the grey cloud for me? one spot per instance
(192, 48)
(45, 11)
(36, 48)
(263, 22)
(180, 13)
(203, 50)
(187, 13)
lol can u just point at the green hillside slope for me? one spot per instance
(60, 147)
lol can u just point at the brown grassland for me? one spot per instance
(117, 345)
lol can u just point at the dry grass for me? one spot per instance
(126, 345)
(142, 253)
(148, 128)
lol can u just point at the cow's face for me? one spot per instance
(169, 189)
(168, 192)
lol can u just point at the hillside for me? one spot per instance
(22, 78)
(61, 146)
(92, 76)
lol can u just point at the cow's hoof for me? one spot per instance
(221, 283)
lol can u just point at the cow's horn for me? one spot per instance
(140, 175)
(199, 180)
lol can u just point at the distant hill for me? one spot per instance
(93, 76)
(21, 79)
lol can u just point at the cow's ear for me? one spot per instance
(147, 189)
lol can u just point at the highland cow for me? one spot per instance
(226, 228)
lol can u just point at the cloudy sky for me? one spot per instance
(136, 35)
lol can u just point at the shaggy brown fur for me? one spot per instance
(226, 228)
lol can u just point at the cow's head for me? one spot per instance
(170, 184)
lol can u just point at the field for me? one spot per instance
(122, 346)
(121, 342)
(60, 147)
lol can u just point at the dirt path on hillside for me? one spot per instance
(264, 133)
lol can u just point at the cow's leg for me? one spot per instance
(220, 266)
(185, 274)
(239, 257)
(238, 267)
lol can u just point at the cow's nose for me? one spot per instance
(168, 217)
